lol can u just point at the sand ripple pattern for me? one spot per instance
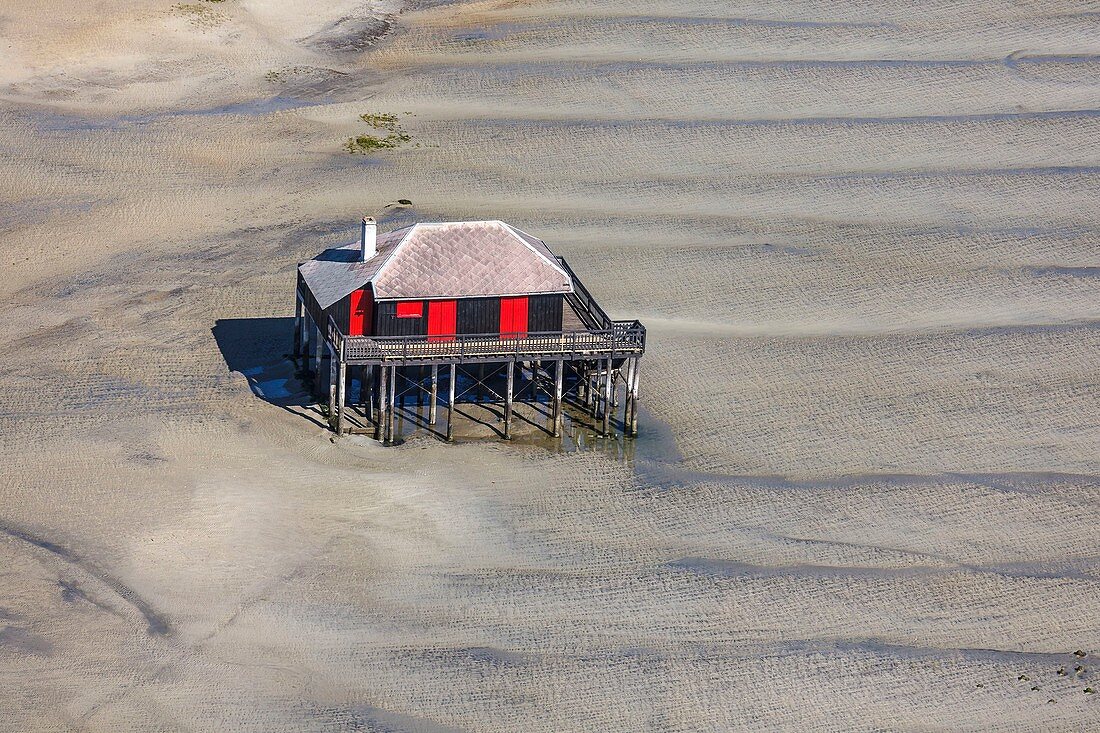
(864, 238)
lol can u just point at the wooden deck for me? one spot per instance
(624, 339)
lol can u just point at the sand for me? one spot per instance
(866, 490)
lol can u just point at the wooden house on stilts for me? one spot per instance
(426, 306)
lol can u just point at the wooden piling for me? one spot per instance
(434, 393)
(390, 408)
(628, 376)
(508, 400)
(298, 327)
(594, 391)
(559, 368)
(607, 399)
(341, 390)
(451, 402)
(366, 390)
(634, 396)
(380, 414)
(332, 366)
(319, 347)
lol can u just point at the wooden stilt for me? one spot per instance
(298, 327)
(594, 391)
(434, 393)
(615, 388)
(559, 368)
(380, 414)
(634, 397)
(304, 336)
(317, 348)
(607, 399)
(451, 402)
(628, 376)
(318, 359)
(341, 391)
(366, 390)
(511, 367)
(390, 408)
(333, 365)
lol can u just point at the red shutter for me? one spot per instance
(441, 320)
(410, 309)
(513, 317)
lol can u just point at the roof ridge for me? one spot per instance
(394, 250)
(516, 233)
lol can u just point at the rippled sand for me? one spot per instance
(863, 238)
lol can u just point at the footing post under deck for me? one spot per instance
(511, 367)
(434, 394)
(451, 402)
(366, 390)
(559, 367)
(341, 392)
(390, 400)
(380, 393)
(298, 327)
(333, 364)
(593, 389)
(607, 399)
(628, 377)
(634, 398)
(317, 347)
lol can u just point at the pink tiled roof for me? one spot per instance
(467, 259)
(451, 260)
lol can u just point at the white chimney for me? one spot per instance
(368, 240)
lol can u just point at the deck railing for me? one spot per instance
(624, 338)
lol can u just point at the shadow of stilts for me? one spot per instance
(259, 349)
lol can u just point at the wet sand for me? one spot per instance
(863, 239)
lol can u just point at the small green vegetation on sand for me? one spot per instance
(363, 144)
(383, 121)
(395, 136)
(200, 15)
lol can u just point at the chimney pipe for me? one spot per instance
(368, 239)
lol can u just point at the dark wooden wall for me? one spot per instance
(341, 312)
(474, 316)
(544, 312)
(478, 315)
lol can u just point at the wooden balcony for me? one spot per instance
(624, 339)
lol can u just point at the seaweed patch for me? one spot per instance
(387, 123)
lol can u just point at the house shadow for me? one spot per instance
(260, 350)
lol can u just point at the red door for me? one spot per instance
(441, 320)
(513, 317)
(362, 313)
